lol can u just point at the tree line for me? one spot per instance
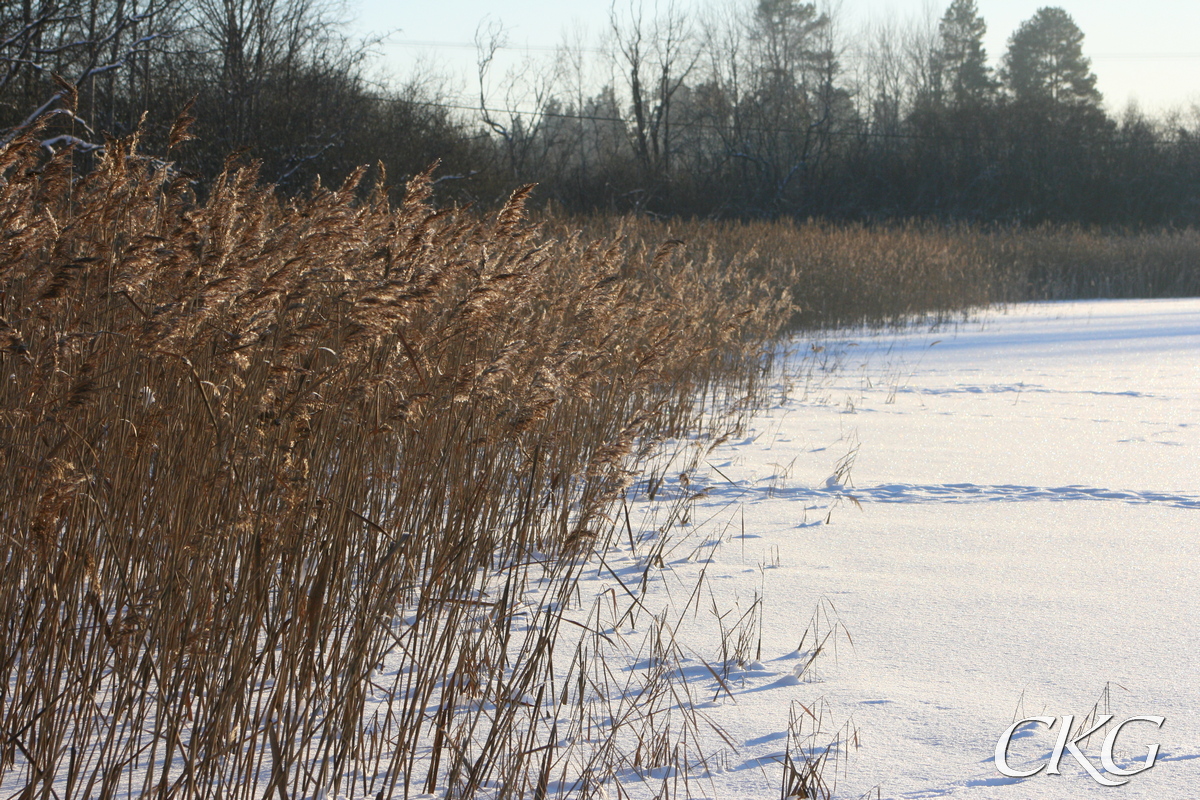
(278, 80)
(771, 110)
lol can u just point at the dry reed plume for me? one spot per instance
(250, 450)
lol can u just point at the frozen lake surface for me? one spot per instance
(1014, 532)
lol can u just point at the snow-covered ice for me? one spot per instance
(1004, 515)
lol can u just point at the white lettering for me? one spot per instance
(1067, 743)
(1072, 747)
(1002, 748)
(1106, 755)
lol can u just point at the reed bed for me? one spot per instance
(852, 274)
(1061, 263)
(279, 479)
(295, 494)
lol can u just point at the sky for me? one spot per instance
(1147, 52)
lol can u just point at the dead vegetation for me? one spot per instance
(295, 494)
(251, 450)
(851, 274)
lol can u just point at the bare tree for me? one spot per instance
(795, 104)
(885, 87)
(55, 50)
(529, 100)
(657, 56)
(279, 77)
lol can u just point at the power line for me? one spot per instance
(474, 46)
(1148, 56)
(431, 43)
(859, 134)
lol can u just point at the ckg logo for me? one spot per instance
(1071, 745)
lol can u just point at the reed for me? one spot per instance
(295, 493)
(854, 274)
(279, 478)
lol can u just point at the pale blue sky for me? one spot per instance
(1147, 50)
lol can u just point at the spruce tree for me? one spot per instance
(961, 60)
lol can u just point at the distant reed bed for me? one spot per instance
(251, 450)
(850, 274)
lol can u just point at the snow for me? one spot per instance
(1003, 515)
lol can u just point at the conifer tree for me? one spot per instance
(960, 60)
(1045, 64)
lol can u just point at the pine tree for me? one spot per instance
(1045, 62)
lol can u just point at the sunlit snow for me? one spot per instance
(996, 519)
